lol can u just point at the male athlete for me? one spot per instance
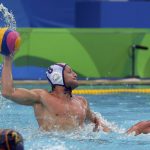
(55, 110)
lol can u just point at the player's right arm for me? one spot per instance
(18, 95)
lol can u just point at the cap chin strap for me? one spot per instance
(68, 90)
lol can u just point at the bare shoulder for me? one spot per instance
(83, 99)
(40, 91)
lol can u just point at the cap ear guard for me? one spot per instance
(55, 75)
(55, 78)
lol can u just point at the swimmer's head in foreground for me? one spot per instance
(10, 140)
(61, 74)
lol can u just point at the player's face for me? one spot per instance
(70, 77)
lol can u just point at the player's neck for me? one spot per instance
(62, 92)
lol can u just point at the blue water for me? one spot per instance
(120, 111)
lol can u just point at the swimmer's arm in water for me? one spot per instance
(18, 95)
(140, 127)
(96, 120)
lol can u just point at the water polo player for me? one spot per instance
(55, 110)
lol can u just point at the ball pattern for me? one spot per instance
(9, 41)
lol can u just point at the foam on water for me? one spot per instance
(113, 126)
(21, 119)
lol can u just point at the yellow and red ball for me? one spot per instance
(9, 41)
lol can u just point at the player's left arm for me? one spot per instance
(90, 115)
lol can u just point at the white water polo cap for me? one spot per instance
(55, 74)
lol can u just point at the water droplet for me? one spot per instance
(7, 17)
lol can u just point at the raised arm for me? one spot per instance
(96, 120)
(18, 95)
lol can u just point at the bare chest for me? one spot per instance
(69, 110)
(61, 114)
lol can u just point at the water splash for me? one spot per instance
(113, 126)
(7, 17)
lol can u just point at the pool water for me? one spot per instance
(120, 111)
